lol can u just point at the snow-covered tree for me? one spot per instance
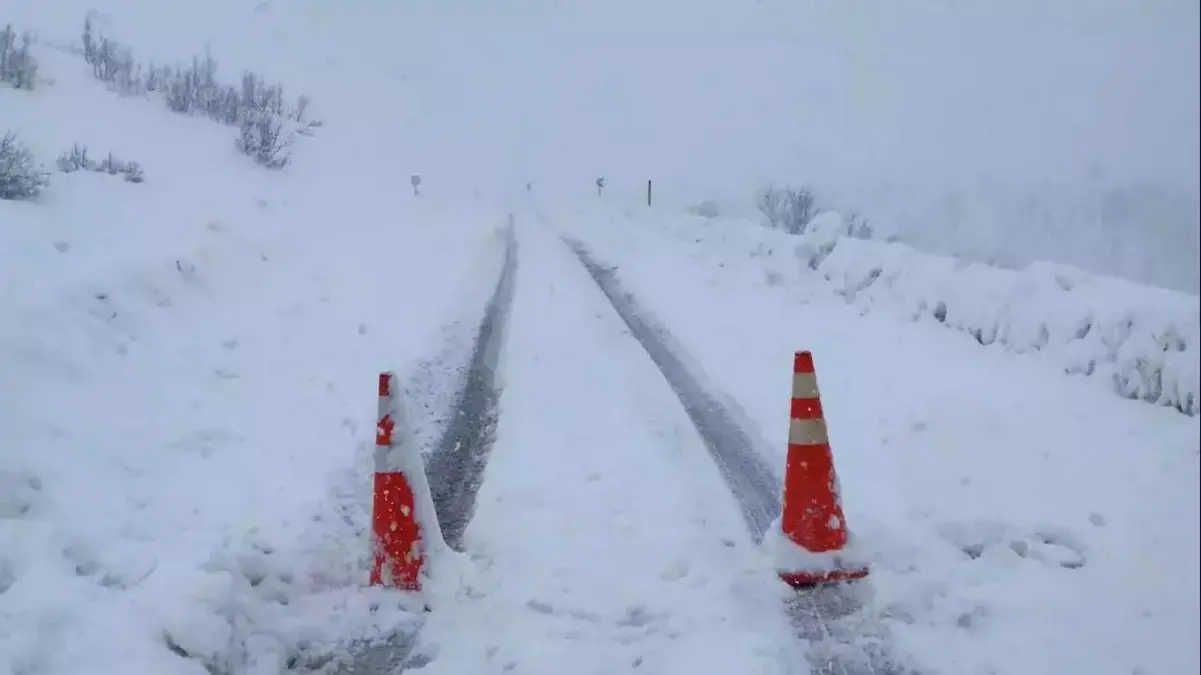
(20, 176)
(17, 65)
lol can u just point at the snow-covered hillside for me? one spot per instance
(187, 370)
(188, 350)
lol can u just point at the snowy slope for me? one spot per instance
(1021, 521)
(188, 369)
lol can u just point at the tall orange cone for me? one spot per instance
(812, 516)
(395, 533)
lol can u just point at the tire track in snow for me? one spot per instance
(590, 552)
(456, 467)
(754, 485)
(841, 640)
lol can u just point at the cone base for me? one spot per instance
(395, 534)
(809, 579)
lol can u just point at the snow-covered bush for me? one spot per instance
(787, 208)
(1145, 341)
(20, 175)
(1140, 342)
(264, 140)
(111, 62)
(264, 117)
(131, 171)
(795, 209)
(77, 158)
(17, 65)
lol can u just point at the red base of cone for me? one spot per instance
(820, 577)
(395, 533)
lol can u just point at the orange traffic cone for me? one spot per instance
(395, 533)
(812, 516)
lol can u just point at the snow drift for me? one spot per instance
(1142, 340)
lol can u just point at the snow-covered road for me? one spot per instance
(187, 363)
(1010, 509)
(604, 537)
(839, 637)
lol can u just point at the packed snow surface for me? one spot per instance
(605, 541)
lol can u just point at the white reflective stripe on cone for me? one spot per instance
(807, 432)
(804, 385)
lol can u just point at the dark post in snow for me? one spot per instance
(600, 186)
(416, 182)
(648, 192)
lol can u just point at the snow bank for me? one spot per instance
(1144, 341)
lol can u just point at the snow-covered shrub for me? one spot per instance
(132, 173)
(1144, 341)
(17, 65)
(20, 176)
(259, 109)
(191, 90)
(117, 167)
(77, 158)
(787, 208)
(264, 140)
